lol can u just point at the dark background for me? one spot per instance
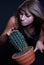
(7, 8)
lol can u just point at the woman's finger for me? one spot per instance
(35, 49)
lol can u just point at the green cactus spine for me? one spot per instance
(18, 40)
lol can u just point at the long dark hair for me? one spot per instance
(35, 8)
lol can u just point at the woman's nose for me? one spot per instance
(23, 17)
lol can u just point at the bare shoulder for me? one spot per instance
(13, 18)
(13, 21)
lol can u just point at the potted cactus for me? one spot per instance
(26, 55)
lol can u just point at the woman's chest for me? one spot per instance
(29, 31)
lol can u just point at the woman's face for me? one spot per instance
(26, 17)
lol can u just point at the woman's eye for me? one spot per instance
(27, 15)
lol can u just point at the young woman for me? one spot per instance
(27, 20)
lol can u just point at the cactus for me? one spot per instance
(18, 40)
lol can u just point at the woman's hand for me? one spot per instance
(4, 36)
(39, 46)
(12, 29)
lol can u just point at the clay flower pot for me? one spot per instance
(26, 57)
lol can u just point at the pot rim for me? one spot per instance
(13, 56)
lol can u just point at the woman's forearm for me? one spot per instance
(11, 23)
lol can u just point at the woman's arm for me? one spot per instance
(11, 23)
(39, 44)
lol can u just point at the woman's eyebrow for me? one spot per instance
(22, 10)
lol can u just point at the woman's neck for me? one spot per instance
(29, 30)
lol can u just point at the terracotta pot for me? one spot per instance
(26, 57)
